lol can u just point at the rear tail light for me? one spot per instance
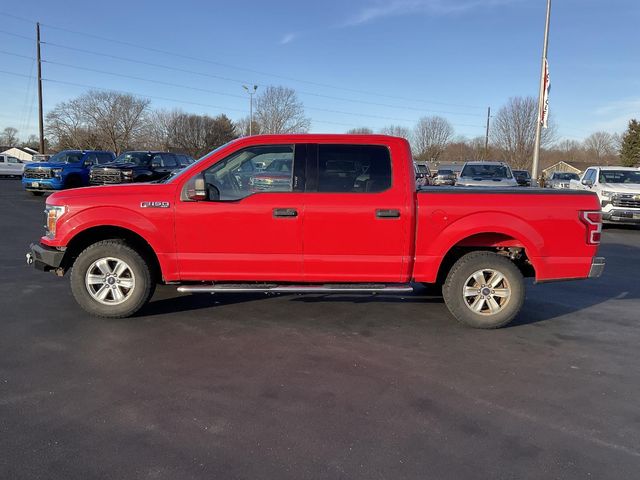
(593, 222)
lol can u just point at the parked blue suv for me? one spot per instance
(67, 169)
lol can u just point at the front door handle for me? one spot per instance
(387, 213)
(285, 212)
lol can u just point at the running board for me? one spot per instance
(271, 288)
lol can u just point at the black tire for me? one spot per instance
(36, 194)
(136, 297)
(462, 307)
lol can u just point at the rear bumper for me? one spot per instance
(597, 267)
(44, 258)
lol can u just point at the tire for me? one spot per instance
(130, 289)
(36, 194)
(474, 299)
(73, 181)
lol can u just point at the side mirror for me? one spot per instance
(195, 189)
(587, 182)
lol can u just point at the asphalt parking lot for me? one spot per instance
(302, 387)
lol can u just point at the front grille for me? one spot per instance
(38, 173)
(626, 201)
(105, 176)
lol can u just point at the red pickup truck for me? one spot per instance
(345, 217)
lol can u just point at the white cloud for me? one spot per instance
(390, 8)
(288, 38)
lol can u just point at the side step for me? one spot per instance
(274, 288)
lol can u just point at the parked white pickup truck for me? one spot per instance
(618, 189)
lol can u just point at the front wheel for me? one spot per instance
(111, 279)
(484, 290)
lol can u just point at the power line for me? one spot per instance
(236, 67)
(241, 82)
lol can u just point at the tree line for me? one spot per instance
(119, 122)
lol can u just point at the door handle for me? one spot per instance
(285, 212)
(387, 213)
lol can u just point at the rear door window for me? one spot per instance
(353, 168)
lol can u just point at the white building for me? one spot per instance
(21, 153)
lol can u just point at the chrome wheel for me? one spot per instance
(110, 281)
(486, 292)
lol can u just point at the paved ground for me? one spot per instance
(298, 387)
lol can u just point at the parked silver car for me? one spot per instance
(561, 180)
(10, 166)
(486, 174)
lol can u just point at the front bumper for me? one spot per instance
(597, 267)
(621, 216)
(44, 258)
(42, 185)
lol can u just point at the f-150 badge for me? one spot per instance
(154, 204)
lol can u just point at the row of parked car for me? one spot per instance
(80, 168)
(474, 174)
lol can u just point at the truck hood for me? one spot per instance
(116, 166)
(487, 182)
(621, 187)
(45, 164)
(146, 192)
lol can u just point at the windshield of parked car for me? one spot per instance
(136, 158)
(422, 169)
(486, 171)
(565, 176)
(521, 174)
(445, 172)
(66, 156)
(619, 176)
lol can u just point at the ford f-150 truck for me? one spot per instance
(66, 169)
(348, 220)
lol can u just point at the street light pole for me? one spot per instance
(251, 93)
(40, 113)
(541, 96)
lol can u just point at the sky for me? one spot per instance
(359, 63)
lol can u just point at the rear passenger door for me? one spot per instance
(356, 221)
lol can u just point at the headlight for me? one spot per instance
(57, 172)
(52, 214)
(607, 194)
(127, 173)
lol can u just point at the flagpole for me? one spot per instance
(541, 96)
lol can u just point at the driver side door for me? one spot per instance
(239, 233)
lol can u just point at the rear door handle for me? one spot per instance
(387, 213)
(285, 212)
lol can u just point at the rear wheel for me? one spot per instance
(484, 290)
(111, 279)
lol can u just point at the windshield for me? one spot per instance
(521, 174)
(137, 158)
(445, 172)
(486, 171)
(66, 156)
(422, 169)
(565, 176)
(619, 176)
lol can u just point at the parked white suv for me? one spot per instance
(486, 174)
(618, 189)
(10, 166)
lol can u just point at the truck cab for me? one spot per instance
(66, 169)
(10, 166)
(336, 214)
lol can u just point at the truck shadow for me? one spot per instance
(543, 302)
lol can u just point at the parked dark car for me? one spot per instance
(523, 177)
(445, 177)
(184, 160)
(136, 167)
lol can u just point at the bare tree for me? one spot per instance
(514, 129)
(600, 145)
(360, 131)
(430, 137)
(9, 137)
(278, 110)
(99, 119)
(571, 150)
(396, 131)
(242, 127)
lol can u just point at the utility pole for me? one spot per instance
(40, 114)
(486, 137)
(541, 96)
(251, 93)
